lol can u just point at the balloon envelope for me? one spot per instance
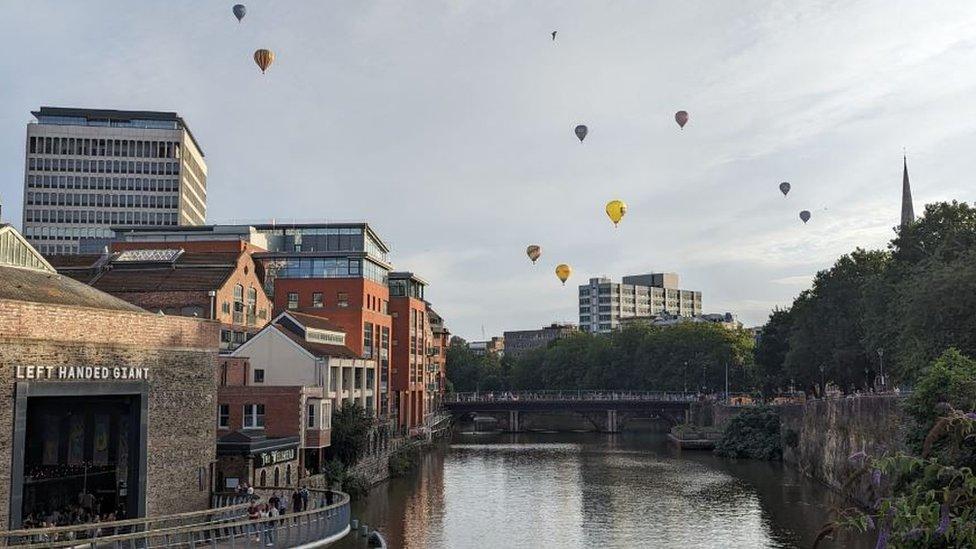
(616, 209)
(805, 216)
(581, 131)
(563, 271)
(681, 117)
(239, 11)
(264, 58)
(784, 188)
(534, 252)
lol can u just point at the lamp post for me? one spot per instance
(881, 358)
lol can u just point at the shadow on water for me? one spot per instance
(577, 490)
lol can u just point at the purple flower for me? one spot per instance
(858, 457)
(870, 522)
(943, 520)
(876, 477)
(913, 534)
(970, 415)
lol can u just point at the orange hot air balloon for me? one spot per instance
(563, 271)
(264, 58)
(681, 117)
(534, 252)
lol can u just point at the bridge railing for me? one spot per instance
(569, 396)
(320, 522)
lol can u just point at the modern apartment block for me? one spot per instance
(604, 303)
(87, 170)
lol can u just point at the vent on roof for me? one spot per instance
(148, 256)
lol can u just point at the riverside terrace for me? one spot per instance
(608, 411)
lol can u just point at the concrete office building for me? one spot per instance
(519, 342)
(87, 170)
(604, 303)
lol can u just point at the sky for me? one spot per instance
(448, 126)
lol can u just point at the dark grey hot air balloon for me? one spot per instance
(681, 117)
(553, 36)
(805, 216)
(784, 188)
(239, 12)
(581, 131)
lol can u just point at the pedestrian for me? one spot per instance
(328, 498)
(304, 498)
(253, 514)
(296, 500)
(271, 513)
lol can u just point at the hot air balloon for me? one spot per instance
(264, 58)
(581, 131)
(784, 188)
(534, 252)
(239, 12)
(616, 210)
(805, 216)
(681, 117)
(553, 36)
(563, 271)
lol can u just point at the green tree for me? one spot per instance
(753, 434)
(950, 380)
(770, 352)
(351, 424)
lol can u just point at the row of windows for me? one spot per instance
(66, 233)
(342, 300)
(56, 249)
(92, 200)
(100, 217)
(244, 310)
(103, 166)
(102, 183)
(104, 147)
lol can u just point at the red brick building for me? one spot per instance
(411, 374)
(440, 342)
(212, 280)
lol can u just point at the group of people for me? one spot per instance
(276, 506)
(87, 510)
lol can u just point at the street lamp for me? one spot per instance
(881, 358)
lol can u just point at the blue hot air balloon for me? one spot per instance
(239, 12)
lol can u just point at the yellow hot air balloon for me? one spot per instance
(264, 58)
(563, 271)
(616, 209)
(534, 252)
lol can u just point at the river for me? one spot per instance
(576, 490)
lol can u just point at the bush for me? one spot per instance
(949, 383)
(403, 461)
(351, 424)
(357, 486)
(754, 434)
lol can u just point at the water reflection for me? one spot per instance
(591, 490)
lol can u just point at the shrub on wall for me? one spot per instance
(754, 434)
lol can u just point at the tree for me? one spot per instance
(351, 424)
(950, 380)
(770, 353)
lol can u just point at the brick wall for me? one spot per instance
(181, 356)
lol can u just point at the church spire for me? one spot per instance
(907, 211)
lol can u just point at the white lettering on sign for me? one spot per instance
(322, 336)
(80, 372)
(277, 456)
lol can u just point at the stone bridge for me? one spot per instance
(607, 411)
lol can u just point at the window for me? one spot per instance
(311, 416)
(238, 304)
(292, 300)
(223, 416)
(342, 299)
(254, 416)
(368, 340)
(264, 478)
(258, 375)
(252, 306)
(317, 299)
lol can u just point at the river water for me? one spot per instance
(569, 490)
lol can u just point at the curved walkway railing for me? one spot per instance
(570, 396)
(223, 508)
(320, 525)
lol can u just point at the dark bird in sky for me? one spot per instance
(553, 36)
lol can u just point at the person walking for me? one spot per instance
(270, 527)
(253, 514)
(296, 500)
(304, 492)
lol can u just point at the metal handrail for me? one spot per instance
(143, 523)
(320, 522)
(571, 396)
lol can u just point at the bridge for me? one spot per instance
(226, 526)
(607, 411)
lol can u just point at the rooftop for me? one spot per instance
(70, 116)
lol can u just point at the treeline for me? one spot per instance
(686, 357)
(900, 308)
